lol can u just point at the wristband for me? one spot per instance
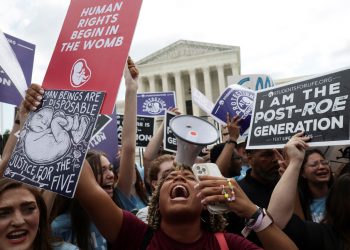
(254, 222)
(229, 141)
(266, 221)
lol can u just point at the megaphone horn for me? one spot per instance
(192, 135)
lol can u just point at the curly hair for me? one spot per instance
(210, 222)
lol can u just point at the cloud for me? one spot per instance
(280, 38)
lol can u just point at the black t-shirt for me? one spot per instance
(259, 194)
(311, 235)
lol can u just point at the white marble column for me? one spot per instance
(193, 83)
(165, 82)
(235, 69)
(179, 90)
(221, 78)
(152, 84)
(142, 86)
(207, 84)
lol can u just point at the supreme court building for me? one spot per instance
(184, 65)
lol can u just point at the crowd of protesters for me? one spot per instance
(274, 199)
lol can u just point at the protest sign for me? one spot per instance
(101, 123)
(52, 145)
(155, 103)
(317, 105)
(235, 100)
(201, 100)
(106, 139)
(253, 82)
(92, 47)
(145, 129)
(19, 67)
(169, 140)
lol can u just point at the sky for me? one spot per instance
(280, 38)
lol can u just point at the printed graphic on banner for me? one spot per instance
(235, 100)
(24, 52)
(155, 103)
(92, 47)
(52, 145)
(169, 143)
(145, 129)
(106, 139)
(318, 105)
(253, 82)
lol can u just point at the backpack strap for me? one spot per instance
(220, 237)
(147, 238)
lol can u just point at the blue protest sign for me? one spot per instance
(25, 55)
(235, 100)
(53, 143)
(106, 140)
(155, 103)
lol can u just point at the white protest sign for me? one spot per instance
(201, 100)
(253, 81)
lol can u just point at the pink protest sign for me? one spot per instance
(92, 47)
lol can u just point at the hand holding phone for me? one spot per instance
(210, 169)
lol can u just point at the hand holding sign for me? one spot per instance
(34, 95)
(296, 146)
(233, 126)
(54, 139)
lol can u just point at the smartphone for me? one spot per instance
(210, 169)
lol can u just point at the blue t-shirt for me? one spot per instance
(317, 209)
(130, 203)
(61, 227)
(63, 246)
(243, 173)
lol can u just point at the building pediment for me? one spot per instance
(182, 49)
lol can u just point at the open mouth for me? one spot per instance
(17, 236)
(179, 192)
(323, 174)
(108, 187)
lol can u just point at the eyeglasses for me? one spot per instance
(316, 163)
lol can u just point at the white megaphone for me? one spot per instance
(192, 135)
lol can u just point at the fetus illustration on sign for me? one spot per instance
(80, 73)
(49, 135)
